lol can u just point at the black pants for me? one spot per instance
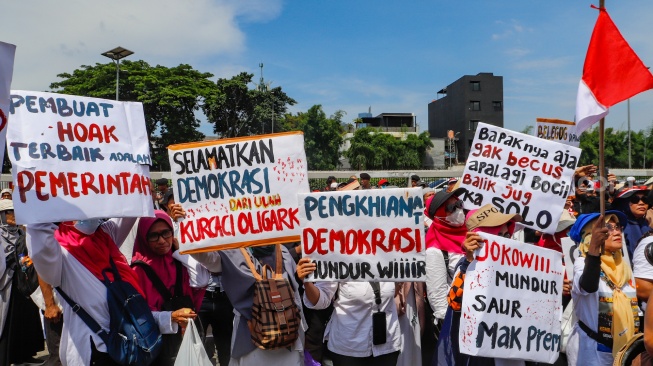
(389, 359)
(217, 312)
(52, 340)
(100, 358)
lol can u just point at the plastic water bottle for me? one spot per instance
(23, 262)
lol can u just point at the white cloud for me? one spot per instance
(54, 37)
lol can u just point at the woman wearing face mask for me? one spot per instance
(72, 256)
(487, 219)
(443, 246)
(20, 326)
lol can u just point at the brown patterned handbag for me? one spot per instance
(275, 317)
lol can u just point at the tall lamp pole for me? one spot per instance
(116, 55)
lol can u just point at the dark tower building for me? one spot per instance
(461, 106)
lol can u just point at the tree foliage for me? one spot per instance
(616, 148)
(370, 149)
(171, 98)
(322, 136)
(236, 110)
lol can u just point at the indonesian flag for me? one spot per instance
(612, 73)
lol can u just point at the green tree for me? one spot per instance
(171, 98)
(370, 149)
(236, 110)
(322, 136)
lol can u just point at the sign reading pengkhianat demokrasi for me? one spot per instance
(239, 192)
(76, 157)
(364, 235)
(519, 173)
(512, 302)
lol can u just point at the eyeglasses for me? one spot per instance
(154, 236)
(612, 227)
(637, 198)
(453, 206)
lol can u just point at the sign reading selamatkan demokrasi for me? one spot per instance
(519, 173)
(512, 302)
(75, 157)
(239, 192)
(364, 235)
(7, 53)
(557, 130)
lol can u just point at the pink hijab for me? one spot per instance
(163, 266)
(441, 235)
(93, 252)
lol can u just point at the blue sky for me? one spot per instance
(344, 55)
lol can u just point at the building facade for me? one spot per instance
(461, 106)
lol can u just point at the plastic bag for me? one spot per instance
(191, 352)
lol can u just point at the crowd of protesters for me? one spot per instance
(612, 282)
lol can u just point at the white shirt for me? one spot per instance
(60, 269)
(586, 306)
(349, 330)
(641, 267)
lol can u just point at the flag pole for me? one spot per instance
(602, 179)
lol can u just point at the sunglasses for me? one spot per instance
(505, 235)
(636, 199)
(612, 227)
(453, 206)
(154, 236)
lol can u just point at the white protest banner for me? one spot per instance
(569, 253)
(557, 130)
(364, 235)
(512, 302)
(520, 174)
(7, 53)
(239, 192)
(76, 157)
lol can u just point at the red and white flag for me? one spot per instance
(612, 73)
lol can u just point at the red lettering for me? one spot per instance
(378, 237)
(24, 181)
(81, 133)
(363, 243)
(350, 240)
(64, 131)
(40, 184)
(334, 236)
(72, 184)
(184, 231)
(108, 134)
(94, 133)
(87, 184)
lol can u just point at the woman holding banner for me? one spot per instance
(605, 300)
(160, 268)
(73, 256)
(361, 310)
(487, 219)
(238, 283)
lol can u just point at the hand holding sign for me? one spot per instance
(472, 242)
(305, 267)
(599, 235)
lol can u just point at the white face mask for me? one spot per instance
(456, 218)
(88, 227)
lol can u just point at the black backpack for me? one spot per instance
(27, 281)
(133, 337)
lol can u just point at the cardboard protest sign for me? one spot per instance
(7, 53)
(519, 173)
(364, 235)
(239, 192)
(512, 302)
(570, 253)
(557, 130)
(76, 157)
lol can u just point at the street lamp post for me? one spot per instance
(116, 55)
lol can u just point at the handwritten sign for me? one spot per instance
(76, 157)
(239, 192)
(365, 235)
(519, 174)
(7, 53)
(512, 303)
(557, 130)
